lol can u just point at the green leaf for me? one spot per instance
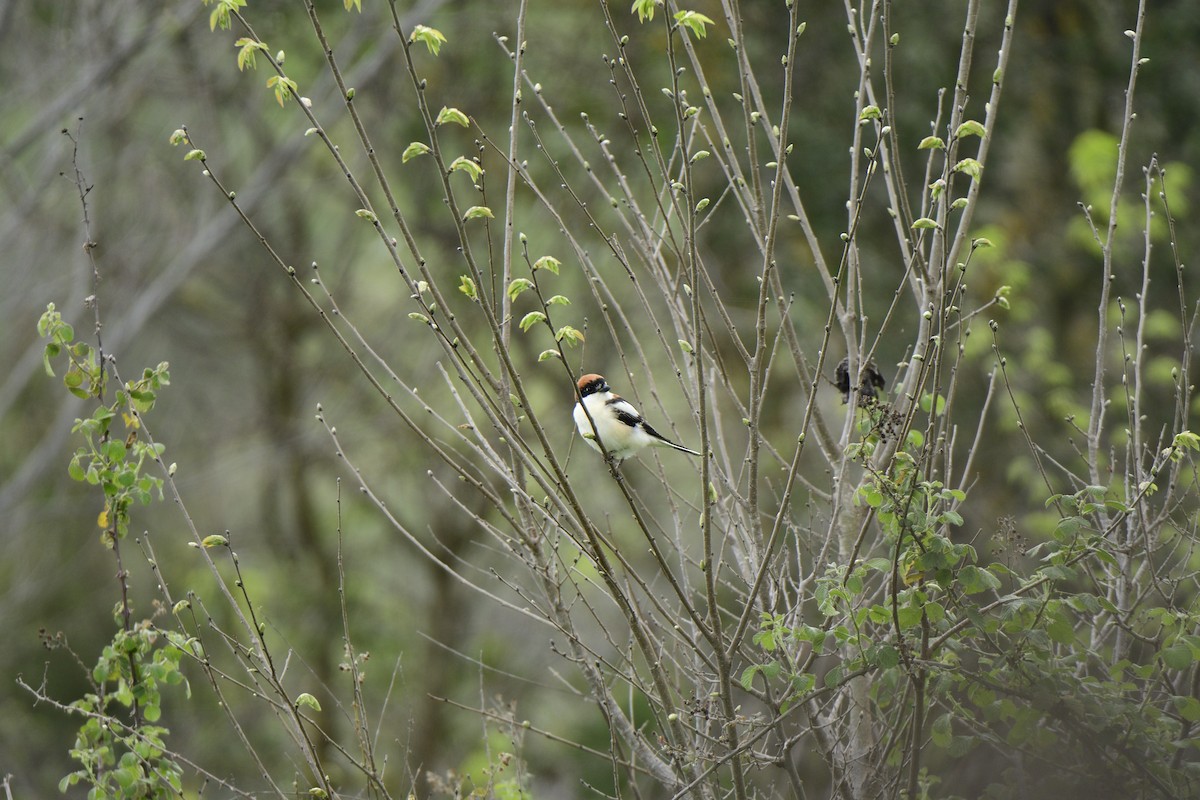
(468, 166)
(52, 350)
(693, 21)
(1186, 440)
(248, 49)
(447, 115)
(969, 166)
(355, 4)
(970, 128)
(517, 286)
(870, 112)
(950, 518)
(558, 300)
(1177, 656)
(835, 676)
(1061, 630)
(975, 580)
(432, 38)
(932, 143)
(306, 700)
(478, 212)
(700, 155)
(569, 335)
(195, 155)
(804, 683)
(887, 656)
(940, 731)
(645, 9)
(548, 263)
(531, 319)
(466, 285)
(215, 540)
(546, 355)
(284, 88)
(367, 214)
(413, 150)
(924, 224)
(1188, 708)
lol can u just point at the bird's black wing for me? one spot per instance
(626, 414)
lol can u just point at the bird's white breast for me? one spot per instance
(619, 439)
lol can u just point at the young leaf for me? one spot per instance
(467, 286)
(931, 143)
(476, 212)
(248, 49)
(306, 700)
(693, 21)
(645, 9)
(924, 223)
(195, 155)
(452, 115)
(569, 335)
(468, 166)
(413, 150)
(284, 88)
(531, 319)
(969, 166)
(870, 112)
(558, 300)
(432, 38)
(970, 128)
(549, 263)
(517, 286)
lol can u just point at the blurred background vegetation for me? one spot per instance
(185, 283)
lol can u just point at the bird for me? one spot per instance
(617, 424)
(872, 381)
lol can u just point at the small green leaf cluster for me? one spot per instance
(563, 334)
(223, 12)
(84, 377)
(247, 49)
(284, 88)
(432, 38)
(694, 21)
(777, 639)
(120, 760)
(114, 461)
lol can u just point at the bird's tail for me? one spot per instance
(679, 447)
(662, 441)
